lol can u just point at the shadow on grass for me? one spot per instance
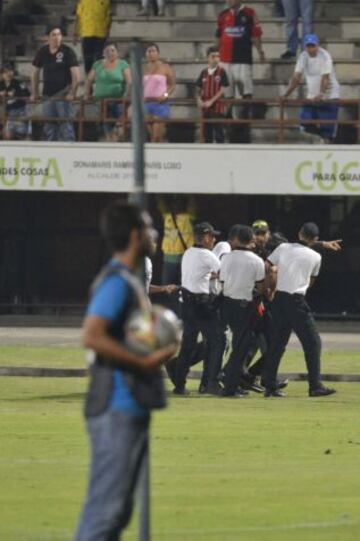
(70, 397)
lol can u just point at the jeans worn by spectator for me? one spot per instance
(58, 131)
(118, 443)
(320, 111)
(293, 10)
(92, 49)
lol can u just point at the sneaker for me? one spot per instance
(287, 55)
(202, 388)
(321, 391)
(282, 383)
(181, 391)
(274, 394)
(253, 385)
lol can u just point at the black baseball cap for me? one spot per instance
(260, 226)
(310, 230)
(205, 227)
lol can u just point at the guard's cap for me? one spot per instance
(205, 227)
(311, 39)
(260, 226)
(310, 230)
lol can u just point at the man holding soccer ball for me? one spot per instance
(124, 386)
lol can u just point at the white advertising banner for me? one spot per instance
(211, 169)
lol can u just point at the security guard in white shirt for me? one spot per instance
(198, 267)
(297, 268)
(240, 271)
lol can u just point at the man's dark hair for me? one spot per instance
(152, 44)
(211, 50)
(233, 232)
(51, 27)
(7, 66)
(244, 234)
(117, 222)
(275, 240)
(309, 230)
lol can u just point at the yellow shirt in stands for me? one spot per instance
(93, 18)
(171, 243)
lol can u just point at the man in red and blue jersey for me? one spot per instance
(238, 29)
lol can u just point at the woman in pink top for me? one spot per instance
(158, 83)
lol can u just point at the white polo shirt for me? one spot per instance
(314, 68)
(239, 271)
(196, 267)
(296, 264)
(221, 248)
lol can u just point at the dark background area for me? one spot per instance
(50, 247)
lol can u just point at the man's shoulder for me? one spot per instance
(247, 10)
(223, 13)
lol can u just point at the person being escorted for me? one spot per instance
(297, 268)
(200, 314)
(316, 64)
(123, 385)
(61, 78)
(241, 271)
(212, 83)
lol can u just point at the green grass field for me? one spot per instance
(222, 469)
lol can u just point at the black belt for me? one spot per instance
(202, 297)
(296, 295)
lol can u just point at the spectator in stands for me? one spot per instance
(92, 24)
(11, 89)
(279, 9)
(61, 77)
(178, 214)
(212, 83)
(293, 9)
(111, 78)
(316, 64)
(159, 83)
(157, 5)
(238, 29)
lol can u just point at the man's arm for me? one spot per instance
(270, 280)
(256, 37)
(95, 336)
(35, 78)
(324, 83)
(169, 289)
(332, 245)
(75, 81)
(294, 83)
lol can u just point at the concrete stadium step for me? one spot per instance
(341, 27)
(211, 8)
(195, 48)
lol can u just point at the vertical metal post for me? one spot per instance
(137, 124)
(138, 196)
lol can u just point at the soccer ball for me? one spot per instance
(147, 331)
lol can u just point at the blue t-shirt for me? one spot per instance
(108, 302)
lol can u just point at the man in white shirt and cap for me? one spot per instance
(199, 267)
(297, 268)
(316, 64)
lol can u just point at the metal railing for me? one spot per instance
(281, 123)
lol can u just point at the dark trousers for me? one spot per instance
(292, 313)
(213, 132)
(236, 314)
(260, 340)
(199, 316)
(92, 49)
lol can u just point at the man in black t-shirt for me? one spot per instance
(12, 90)
(61, 77)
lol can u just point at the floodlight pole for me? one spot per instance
(138, 196)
